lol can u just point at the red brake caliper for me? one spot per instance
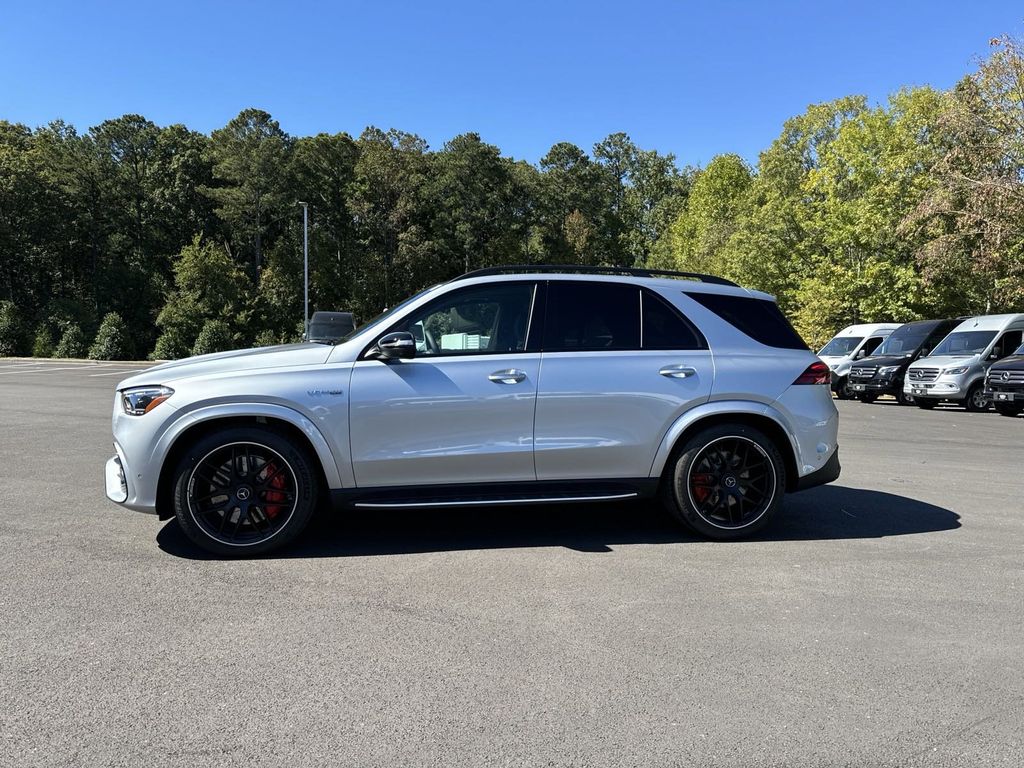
(701, 485)
(274, 498)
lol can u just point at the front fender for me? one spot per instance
(267, 410)
(718, 408)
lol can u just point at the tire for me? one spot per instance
(275, 476)
(1009, 409)
(867, 397)
(926, 403)
(976, 401)
(903, 398)
(842, 389)
(708, 471)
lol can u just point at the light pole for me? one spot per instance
(305, 270)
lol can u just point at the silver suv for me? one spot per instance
(512, 385)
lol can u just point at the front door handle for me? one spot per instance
(678, 371)
(508, 376)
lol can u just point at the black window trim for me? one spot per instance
(702, 341)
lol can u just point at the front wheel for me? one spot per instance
(903, 398)
(244, 491)
(1009, 409)
(842, 389)
(868, 397)
(926, 403)
(726, 482)
(976, 400)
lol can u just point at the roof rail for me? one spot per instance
(585, 270)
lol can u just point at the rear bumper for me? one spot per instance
(826, 474)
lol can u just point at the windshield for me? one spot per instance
(964, 343)
(905, 340)
(383, 316)
(841, 347)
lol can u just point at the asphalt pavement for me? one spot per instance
(877, 623)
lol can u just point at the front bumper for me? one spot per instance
(1005, 396)
(877, 387)
(942, 390)
(116, 482)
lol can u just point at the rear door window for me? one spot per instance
(664, 327)
(591, 316)
(760, 319)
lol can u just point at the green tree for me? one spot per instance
(12, 330)
(42, 344)
(250, 161)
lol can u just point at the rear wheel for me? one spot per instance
(244, 491)
(976, 400)
(726, 482)
(1009, 409)
(925, 402)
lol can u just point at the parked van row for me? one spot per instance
(976, 362)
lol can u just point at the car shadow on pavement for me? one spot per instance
(828, 512)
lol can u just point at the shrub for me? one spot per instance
(12, 331)
(266, 339)
(72, 343)
(42, 346)
(172, 345)
(216, 336)
(112, 341)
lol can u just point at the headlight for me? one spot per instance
(956, 371)
(834, 366)
(888, 370)
(139, 400)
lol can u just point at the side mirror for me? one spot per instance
(399, 345)
(860, 354)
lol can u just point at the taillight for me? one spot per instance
(816, 373)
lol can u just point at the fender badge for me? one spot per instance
(324, 392)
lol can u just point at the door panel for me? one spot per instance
(447, 419)
(604, 414)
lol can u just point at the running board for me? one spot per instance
(495, 494)
(495, 502)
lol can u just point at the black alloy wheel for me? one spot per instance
(244, 491)
(726, 482)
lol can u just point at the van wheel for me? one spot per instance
(244, 491)
(1009, 409)
(868, 397)
(925, 402)
(976, 400)
(726, 482)
(842, 389)
(903, 398)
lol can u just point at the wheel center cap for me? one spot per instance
(729, 481)
(243, 493)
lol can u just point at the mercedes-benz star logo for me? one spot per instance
(243, 494)
(730, 482)
(1006, 375)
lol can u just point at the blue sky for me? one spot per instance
(692, 78)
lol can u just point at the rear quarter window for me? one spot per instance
(760, 319)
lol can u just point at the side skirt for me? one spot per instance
(494, 494)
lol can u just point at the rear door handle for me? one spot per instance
(678, 371)
(508, 376)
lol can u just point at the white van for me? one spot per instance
(955, 369)
(851, 344)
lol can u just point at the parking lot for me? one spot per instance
(877, 623)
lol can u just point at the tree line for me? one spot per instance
(135, 240)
